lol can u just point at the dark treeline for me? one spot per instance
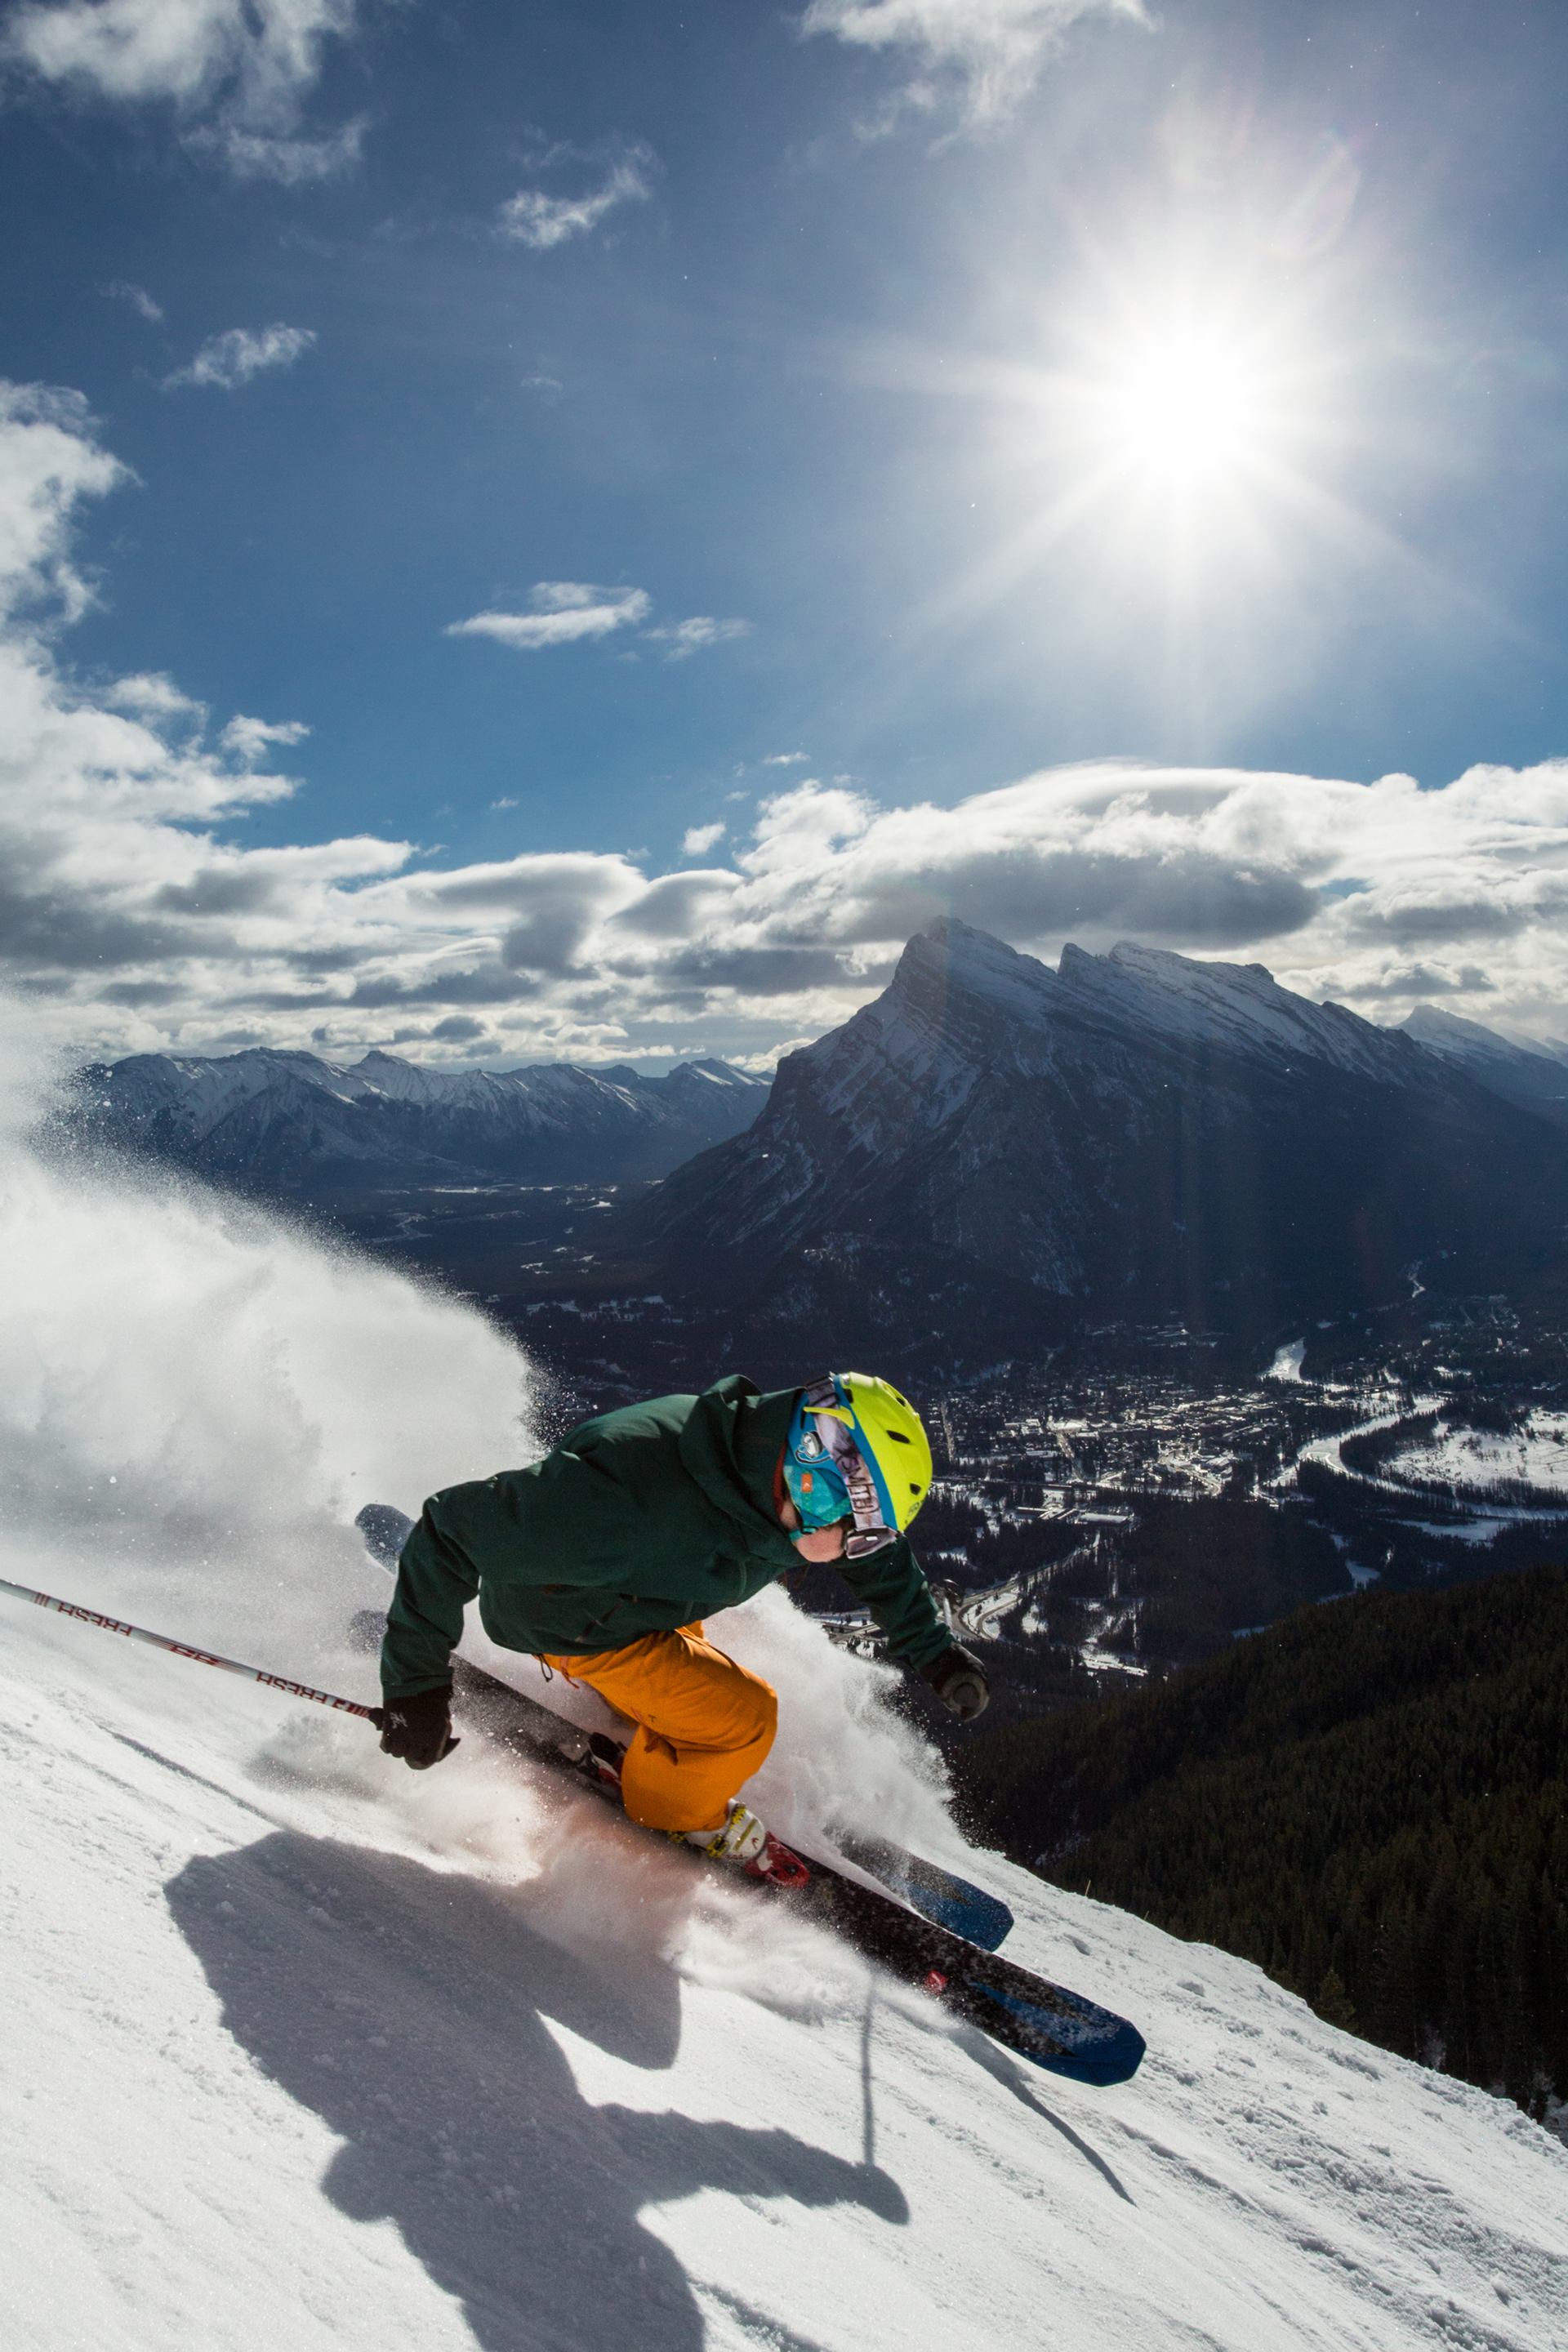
(1171, 1579)
(1183, 1576)
(1370, 1800)
(1200, 1572)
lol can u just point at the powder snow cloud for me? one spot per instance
(134, 919)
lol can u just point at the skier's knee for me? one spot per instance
(765, 1715)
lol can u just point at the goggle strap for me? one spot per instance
(871, 1532)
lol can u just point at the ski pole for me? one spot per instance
(186, 1650)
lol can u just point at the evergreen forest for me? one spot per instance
(1369, 1799)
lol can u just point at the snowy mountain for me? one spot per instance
(1535, 1077)
(992, 1150)
(287, 1120)
(1227, 1008)
(306, 2050)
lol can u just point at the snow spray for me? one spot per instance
(198, 1394)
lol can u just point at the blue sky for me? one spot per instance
(1080, 468)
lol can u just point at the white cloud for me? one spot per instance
(539, 220)
(135, 921)
(293, 161)
(697, 839)
(507, 801)
(568, 612)
(52, 464)
(685, 639)
(121, 290)
(232, 358)
(993, 50)
(237, 71)
(564, 612)
(785, 758)
(248, 740)
(155, 696)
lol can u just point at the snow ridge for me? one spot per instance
(1532, 1074)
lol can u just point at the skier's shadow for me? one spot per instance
(406, 2006)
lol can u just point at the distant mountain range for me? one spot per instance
(293, 1123)
(990, 1155)
(993, 1153)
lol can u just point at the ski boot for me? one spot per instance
(741, 1837)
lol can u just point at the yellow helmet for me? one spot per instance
(888, 1433)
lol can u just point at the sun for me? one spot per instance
(1181, 405)
(1178, 421)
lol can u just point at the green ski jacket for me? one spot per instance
(640, 1521)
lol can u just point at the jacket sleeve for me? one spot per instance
(892, 1584)
(425, 1622)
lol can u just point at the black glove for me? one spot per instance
(419, 1729)
(958, 1679)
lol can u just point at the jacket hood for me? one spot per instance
(730, 1444)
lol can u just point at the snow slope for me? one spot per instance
(304, 2049)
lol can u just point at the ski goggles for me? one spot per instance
(828, 1477)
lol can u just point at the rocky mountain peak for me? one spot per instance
(990, 1150)
(952, 978)
(950, 957)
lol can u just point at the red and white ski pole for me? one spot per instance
(186, 1650)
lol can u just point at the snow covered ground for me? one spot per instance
(1535, 1452)
(304, 2049)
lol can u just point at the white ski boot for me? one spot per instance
(740, 1836)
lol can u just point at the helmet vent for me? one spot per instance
(897, 1435)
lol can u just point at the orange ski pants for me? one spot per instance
(704, 1724)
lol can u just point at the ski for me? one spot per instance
(1057, 2029)
(941, 1895)
(937, 1893)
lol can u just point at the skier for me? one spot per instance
(604, 1559)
